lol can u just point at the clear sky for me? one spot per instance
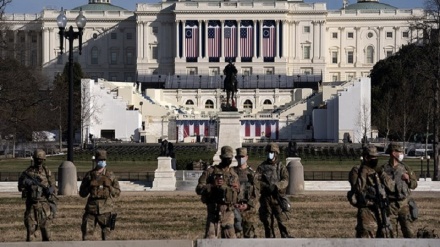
(35, 6)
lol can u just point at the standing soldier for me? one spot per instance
(101, 186)
(246, 208)
(38, 187)
(369, 196)
(219, 186)
(273, 179)
(402, 206)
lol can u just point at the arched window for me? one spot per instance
(267, 102)
(370, 54)
(94, 55)
(189, 102)
(247, 104)
(209, 104)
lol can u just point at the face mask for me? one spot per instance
(400, 158)
(373, 162)
(271, 156)
(101, 163)
(226, 162)
(243, 161)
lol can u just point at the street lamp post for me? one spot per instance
(421, 167)
(70, 35)
(427, 166)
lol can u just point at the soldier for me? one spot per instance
(219, 186)
(401, 202)
(273, 179)
(38, 187)
(369, 197)
(246, 208)
(101, 186)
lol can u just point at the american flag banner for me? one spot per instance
(246, 39)
(260, 128)
(214, 39)
(269, 32)
(191, 39)
(230, 39)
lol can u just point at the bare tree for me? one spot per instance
(364, 120)
(90, 109)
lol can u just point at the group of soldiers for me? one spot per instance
(236, 195)
(382, 195)
(38, 187)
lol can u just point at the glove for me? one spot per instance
(28, 182)
(273, 187)
(51, 190)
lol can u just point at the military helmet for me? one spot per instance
(242, 152)
(370, 150)
(394, 147)
(227, 152)
(39, 154)
(273, 147)
(101, 154)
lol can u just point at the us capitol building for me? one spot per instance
(292, 58)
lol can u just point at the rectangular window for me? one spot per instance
(191, 71)
(269, 71)
(306, 52)
(389, 34)
(129, 57)
(306, 29)
(350, 76)
(34, 38)
(405, 34)
(350, 57)
(113, 36)
(334, 57)
(389, 53)
(350, 35)
(214, 71)
(154, 52)
(129, 35)
(335, 77)
(34, 58)
(113, 76)
(306, 71)
(94, 55)
(113, 57)
(334, 35)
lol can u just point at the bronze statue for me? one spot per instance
(230, 83)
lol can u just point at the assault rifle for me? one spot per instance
(384, 226)
(46, 190)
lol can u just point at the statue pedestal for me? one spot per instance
(229, 133)
(296, 176)
(164, 175)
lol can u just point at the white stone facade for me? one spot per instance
(122, 45)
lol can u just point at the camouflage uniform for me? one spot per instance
(365, 187)
(101, 186)
(249, 196)
(399, 196)
(219, 197)
(38, 186)
(273, 178)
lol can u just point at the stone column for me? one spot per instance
(277, 38)
(200, 38)
(222, 41)
(176, 26)
(321, 42)
(255, 38)
(229, 129)
(183, 40)
(297, 41)
(67, 180)
(164, 175)
(145, 41)
(261, 38)
(139, 40)
(315, 40)
(379, 44)
(206, 37)
(238, 40)
(356, 61)
(296, 176)
(341, 46)
(397, 39)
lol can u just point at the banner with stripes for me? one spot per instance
(260, 128)
(187, 128)
(269, 38)
(192, 39)
(230, 39)
(214, 31)
(246, 39)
